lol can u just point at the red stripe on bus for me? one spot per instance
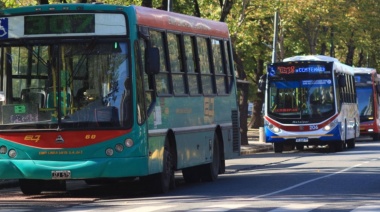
(179, 22)
(299, 127)
(65, 139)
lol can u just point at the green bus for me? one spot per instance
(101, 92)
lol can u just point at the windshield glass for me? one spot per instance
(301, 100)
(365, 102)
(65, 85)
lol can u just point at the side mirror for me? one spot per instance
(262, 83)
(152, 60)
(342, 81)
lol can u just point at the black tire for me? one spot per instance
(31, 187)
(339, 146)
(300, 147)
(210, 171)
(331, 146)
(278, 147)
(375, 137)
(164, 181)
(192, 174)
(351, 142)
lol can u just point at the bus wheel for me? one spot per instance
(339, 146)
(30, 187)
(331, 146)
(162, 182)
(278, 147)
(210, 171)
(375, 137)
(300, 147)
(352, 141)
(192, 174)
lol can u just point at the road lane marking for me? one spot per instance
(148, 208)
(297, 207)
(219, 207)
(306, 182)
(367, 208)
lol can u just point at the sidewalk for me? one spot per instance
(254, 146)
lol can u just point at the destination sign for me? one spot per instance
(58, 24)
(286, 69)
(63, 25)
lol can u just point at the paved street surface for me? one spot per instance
(314, 180)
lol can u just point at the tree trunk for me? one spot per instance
(361, 59)
(350, 50)
(147, 3)
(42, 1)
(257, 118)
(197, 11)
(243, 108)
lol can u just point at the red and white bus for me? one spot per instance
(368, 89)
(310, 100)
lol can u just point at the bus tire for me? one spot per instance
(351, 142)
(162, 182)
(278, 147)
(210, 171)
(30, 187)
(300, 147)
(192, 174)
(375, 137)
(339, 146)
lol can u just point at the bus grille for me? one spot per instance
(235, 131)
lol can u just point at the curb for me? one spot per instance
(246, 150)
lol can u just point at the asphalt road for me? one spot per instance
(311, 180)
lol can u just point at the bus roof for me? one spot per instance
(145, 16)
(364, 70)
(180, 22)
(311, 58)
(338, 66)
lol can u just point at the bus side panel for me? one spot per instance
(349, 118)
(156, 152)
(193, 148)
(229, 144)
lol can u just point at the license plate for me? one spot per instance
(302, 139)
(60, 174)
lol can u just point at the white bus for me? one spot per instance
(310, 100)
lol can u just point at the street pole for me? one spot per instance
(275, 35)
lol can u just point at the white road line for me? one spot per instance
(148, 208)
(219, 207)
(367, 208)
(297, 207)
(306, 182)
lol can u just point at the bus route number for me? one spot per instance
(313, 127)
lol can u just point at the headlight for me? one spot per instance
(119, 147)
(129, 142)
(330, 126)
(109, 152)
(12, 153)
(273, 128)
